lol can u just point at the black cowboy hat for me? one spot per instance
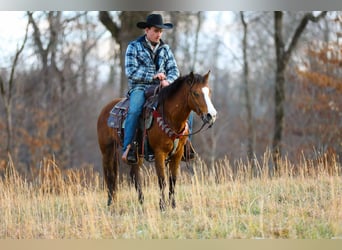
(155, 20)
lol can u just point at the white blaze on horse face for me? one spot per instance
(211, 109)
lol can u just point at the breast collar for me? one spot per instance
(166, 128)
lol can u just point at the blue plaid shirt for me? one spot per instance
(142, 63)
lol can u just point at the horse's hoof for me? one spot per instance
(141, 199)
(162, 207)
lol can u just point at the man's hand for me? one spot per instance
(159, 76)
(164, 83)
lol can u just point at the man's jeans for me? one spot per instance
(190, 122)
(136, 104)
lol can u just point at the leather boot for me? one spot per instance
(189, 152)
(129, 156)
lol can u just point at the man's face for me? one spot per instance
(154, 34)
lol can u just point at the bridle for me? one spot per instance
(173, 134)
(203, 117)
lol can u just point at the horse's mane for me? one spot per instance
(169, 91)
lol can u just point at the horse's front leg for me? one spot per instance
(173, 170)
(172, 200)
(160, 169)
(135, 174)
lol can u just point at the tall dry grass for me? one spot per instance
(302, 201)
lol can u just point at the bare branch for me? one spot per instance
(299, 30)
(36, 32)
(14, 65)
(107, 21)
(76, 17)
(2, 89)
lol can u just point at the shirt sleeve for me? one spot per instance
(136, 68)
(172, 72)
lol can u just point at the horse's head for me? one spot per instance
(199, 99)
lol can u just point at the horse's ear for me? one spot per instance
(191, 78)
(206, 76)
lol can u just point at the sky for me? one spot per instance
(13, 25)
(12, 31)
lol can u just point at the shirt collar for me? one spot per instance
(153, 48)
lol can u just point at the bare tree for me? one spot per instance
(199, 17)
(47, 53)
(64, 49)
(6, 94)
(282, 58)
(250, 128)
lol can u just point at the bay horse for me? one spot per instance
(166, 136)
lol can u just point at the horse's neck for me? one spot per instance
(176, 111)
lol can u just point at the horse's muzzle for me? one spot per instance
(208, 118)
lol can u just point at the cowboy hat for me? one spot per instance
(155, 20)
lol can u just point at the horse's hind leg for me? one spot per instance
(110, 171)
(135, 174)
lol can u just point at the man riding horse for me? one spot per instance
(148, 61)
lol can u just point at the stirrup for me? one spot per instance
(150, 158)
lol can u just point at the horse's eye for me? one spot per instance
(195, 94)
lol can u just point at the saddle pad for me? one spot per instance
(118, 114)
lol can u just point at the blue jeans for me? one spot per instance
(190, 122)
(136, 104)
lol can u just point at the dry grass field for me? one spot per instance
(300, 202)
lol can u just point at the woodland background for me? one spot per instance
(276, 79)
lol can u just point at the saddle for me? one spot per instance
(118, 114)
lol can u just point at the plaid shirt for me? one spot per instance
(142, 63)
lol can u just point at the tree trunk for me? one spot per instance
(250, 129)
(282, 59)
(279, 94)
(199, 17)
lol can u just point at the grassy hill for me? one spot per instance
(301, 202)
